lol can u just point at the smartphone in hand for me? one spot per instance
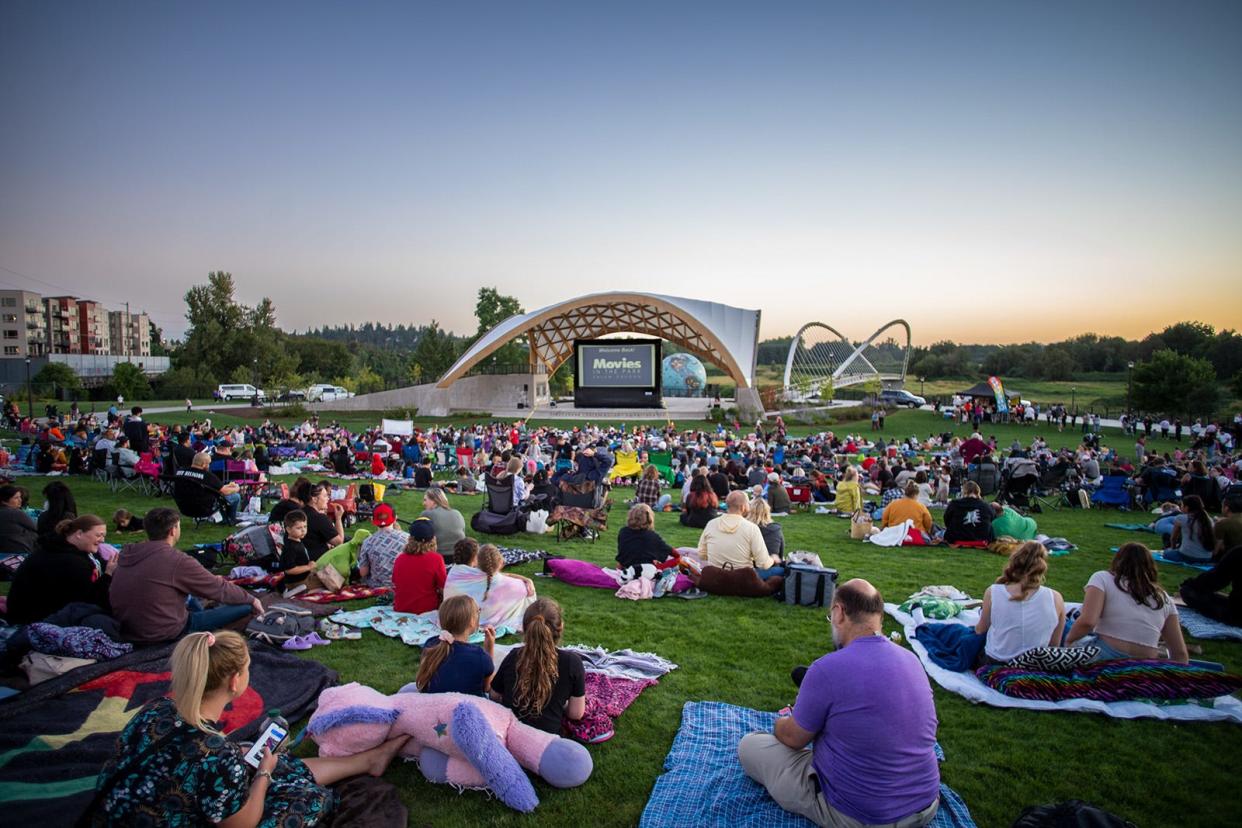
(272, 739)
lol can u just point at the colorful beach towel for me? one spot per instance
(1130, 527)
(1109, 681)
(1158, 557)
(607, 698)
(968, 685)
(1200, 626)
(55, 737)
(349, 593)
(704, 785)
(413, 629)
(501, 602)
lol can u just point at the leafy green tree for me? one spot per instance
(1055, 363)
(1173, 383)
(226, 336)
(54, 378)
(186, 381)
(130, 382)
(490, 310)
(434, 355)
(1237, 384)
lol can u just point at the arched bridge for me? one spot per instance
(822, 358)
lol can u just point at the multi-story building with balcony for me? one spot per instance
(62, 324)
(130, 332)
(23, 324)
(94, 329)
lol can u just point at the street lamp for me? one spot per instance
(1074, 399)
(29, 390)
(921, 385)
(1129, 385)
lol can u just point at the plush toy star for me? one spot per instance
(441, 729)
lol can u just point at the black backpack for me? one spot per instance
(1073, 813)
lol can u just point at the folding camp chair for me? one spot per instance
(986, 475)
(580, 512)
(1164, 487)
(119, 481)
(99, 465)
(799, 497)
(1113, 491)
(1050, 493)
(663, 461)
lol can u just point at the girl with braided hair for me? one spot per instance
(542, 684)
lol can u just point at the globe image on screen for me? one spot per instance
(683, 375)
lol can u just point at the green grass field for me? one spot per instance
(741, 650)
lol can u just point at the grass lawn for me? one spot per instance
(741, 651)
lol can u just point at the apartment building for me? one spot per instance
(23, 326)
(94, 328)
(130, 333)
(62, 324)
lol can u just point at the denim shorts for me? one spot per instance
(1107, 652)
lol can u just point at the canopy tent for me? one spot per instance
(982, 389)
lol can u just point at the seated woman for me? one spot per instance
(502, 598)
(17, 530)
(638, 543)
(1125, 611)
(701, 506)
(1193, 539)
(760, 514)
(907, 508)
(450, 663)
(449, 524)
(67, 569)
(821, 488)
(418, 574)
(541, 683)
(647, 490)
(778, 497)
(849, 494)
(1020, 613)
(174, 767)
(60, 505)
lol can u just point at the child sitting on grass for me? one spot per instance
(125, 522)
(450, 663)
(294, 560)
(502, 598)
(542, 684)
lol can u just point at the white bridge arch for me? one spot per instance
(839, 363)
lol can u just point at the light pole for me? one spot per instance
(29, 390)
(1129, 385)
(921, 385)
(1074, 399)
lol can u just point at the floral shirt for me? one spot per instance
(379, 552)
(196, 777)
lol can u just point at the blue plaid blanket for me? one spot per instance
(704, 784)
(1200, 626)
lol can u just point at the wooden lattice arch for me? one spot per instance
(551, 333)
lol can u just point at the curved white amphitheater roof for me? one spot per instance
(722, 334)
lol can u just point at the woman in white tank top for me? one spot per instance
(1020, 613)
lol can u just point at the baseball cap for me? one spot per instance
(773, 477)
(422, 530)
(383, 515)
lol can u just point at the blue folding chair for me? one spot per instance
(1112, 492)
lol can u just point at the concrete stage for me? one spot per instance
(676, 408)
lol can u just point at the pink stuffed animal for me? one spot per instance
(465, 741)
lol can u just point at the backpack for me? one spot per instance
(809, 586)
(280, 622)
(253, 546)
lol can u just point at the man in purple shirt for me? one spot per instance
(867, 708)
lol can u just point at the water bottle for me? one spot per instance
(273, 715)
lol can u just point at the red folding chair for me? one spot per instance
(799, 496)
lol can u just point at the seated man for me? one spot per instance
(379, 552)
(865, 712)
(1008, 523)
(197, 490)
(969, 518)
(153, 581)
(732, 539)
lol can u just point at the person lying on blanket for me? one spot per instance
(174, 767)
(1007, 522)
(1125, 611)
(1020, 613)
(542, 684)
(450, 663)
(502, 598)
(859, 747)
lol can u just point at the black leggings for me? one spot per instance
(1200, 592)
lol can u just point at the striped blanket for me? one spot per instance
(1111, 681)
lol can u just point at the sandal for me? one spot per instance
(298, 642)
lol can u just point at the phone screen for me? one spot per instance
(271, 738)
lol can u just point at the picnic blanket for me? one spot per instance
(607, 697)
(1200, 626)
(703, 760)
(413, 629)
(55, 737)
(587, 574)
(1109, 681)
(1131, 527)
(514, 556)
(348, 593)
(968, 685)
(1158, 557)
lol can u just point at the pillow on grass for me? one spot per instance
(1055, 659)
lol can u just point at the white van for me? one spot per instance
(240, 391)
(326, 393)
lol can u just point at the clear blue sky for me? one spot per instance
(1050, 167)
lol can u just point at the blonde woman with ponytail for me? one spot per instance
(542, 684)
(173, 765)
(1020, 613)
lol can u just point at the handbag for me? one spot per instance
(860, 525)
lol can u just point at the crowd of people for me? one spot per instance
(857, 751)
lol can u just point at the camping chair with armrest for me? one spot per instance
(986, 475)
(1050, 492)
(1164, 487)
(663, 461)
(123, 478)
(499, 516)
(580, 512)
(99, 465)
(1114, 491)
(182, 486)
(799, 497)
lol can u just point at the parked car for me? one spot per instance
(327, 393)
(240, 391)
(899, 396)
(292, 395)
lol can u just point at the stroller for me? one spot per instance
(1018, 491)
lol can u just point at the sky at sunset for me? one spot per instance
(992, 172)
